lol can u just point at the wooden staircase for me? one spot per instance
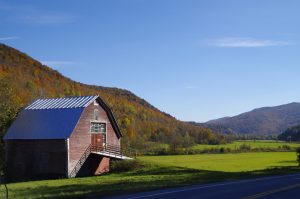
(81, 161)
(108, 150)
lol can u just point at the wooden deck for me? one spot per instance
(110, 151)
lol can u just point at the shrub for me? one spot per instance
(163, 151)
(222, 150)
(286, 147)
(125, 165)
(298, 155)
(228, 150)
(245, 147)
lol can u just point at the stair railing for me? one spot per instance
(80, 162)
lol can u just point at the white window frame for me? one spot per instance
(97, 121)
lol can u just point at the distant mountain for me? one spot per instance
(261, 121)
(23, 79)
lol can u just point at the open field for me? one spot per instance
(162, 171)
(272, 144)
(239, 146)
(237, 162)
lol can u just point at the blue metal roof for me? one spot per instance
(49, 118)
(44, 124)
(53, 118)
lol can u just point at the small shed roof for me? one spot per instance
(53, 118)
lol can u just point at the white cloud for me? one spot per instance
(189, 87)
(244, 42)
(8, 38)
(30, 14)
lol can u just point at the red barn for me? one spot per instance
(62, 137)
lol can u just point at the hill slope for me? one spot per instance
(261, 121)
(23, 79)
(291, 134)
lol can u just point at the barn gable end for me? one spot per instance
(80, 138)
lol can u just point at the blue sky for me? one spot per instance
(195, 59)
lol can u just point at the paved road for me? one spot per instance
(276, 187)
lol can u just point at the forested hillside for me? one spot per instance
(291, 134)
(23, 79)
(261, 121)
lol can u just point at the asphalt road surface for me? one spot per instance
(276, 187)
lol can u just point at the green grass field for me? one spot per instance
(237, 162)
(254, 144)
(162, 171)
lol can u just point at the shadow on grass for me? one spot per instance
(288, 161)
(145, 179)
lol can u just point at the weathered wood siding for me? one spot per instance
(34, 159)
(81, 136)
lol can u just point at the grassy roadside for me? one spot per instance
(161, 172)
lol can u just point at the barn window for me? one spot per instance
(96, 114)
(98, 127)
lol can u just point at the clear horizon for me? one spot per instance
(196, 60)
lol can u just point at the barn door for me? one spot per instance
(98, 134)
(96, 140)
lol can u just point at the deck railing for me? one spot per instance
(111, 150)
(114, 150)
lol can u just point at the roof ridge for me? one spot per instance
(65, 97)
(63, 102)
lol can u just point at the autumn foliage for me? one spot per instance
(24, 79)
